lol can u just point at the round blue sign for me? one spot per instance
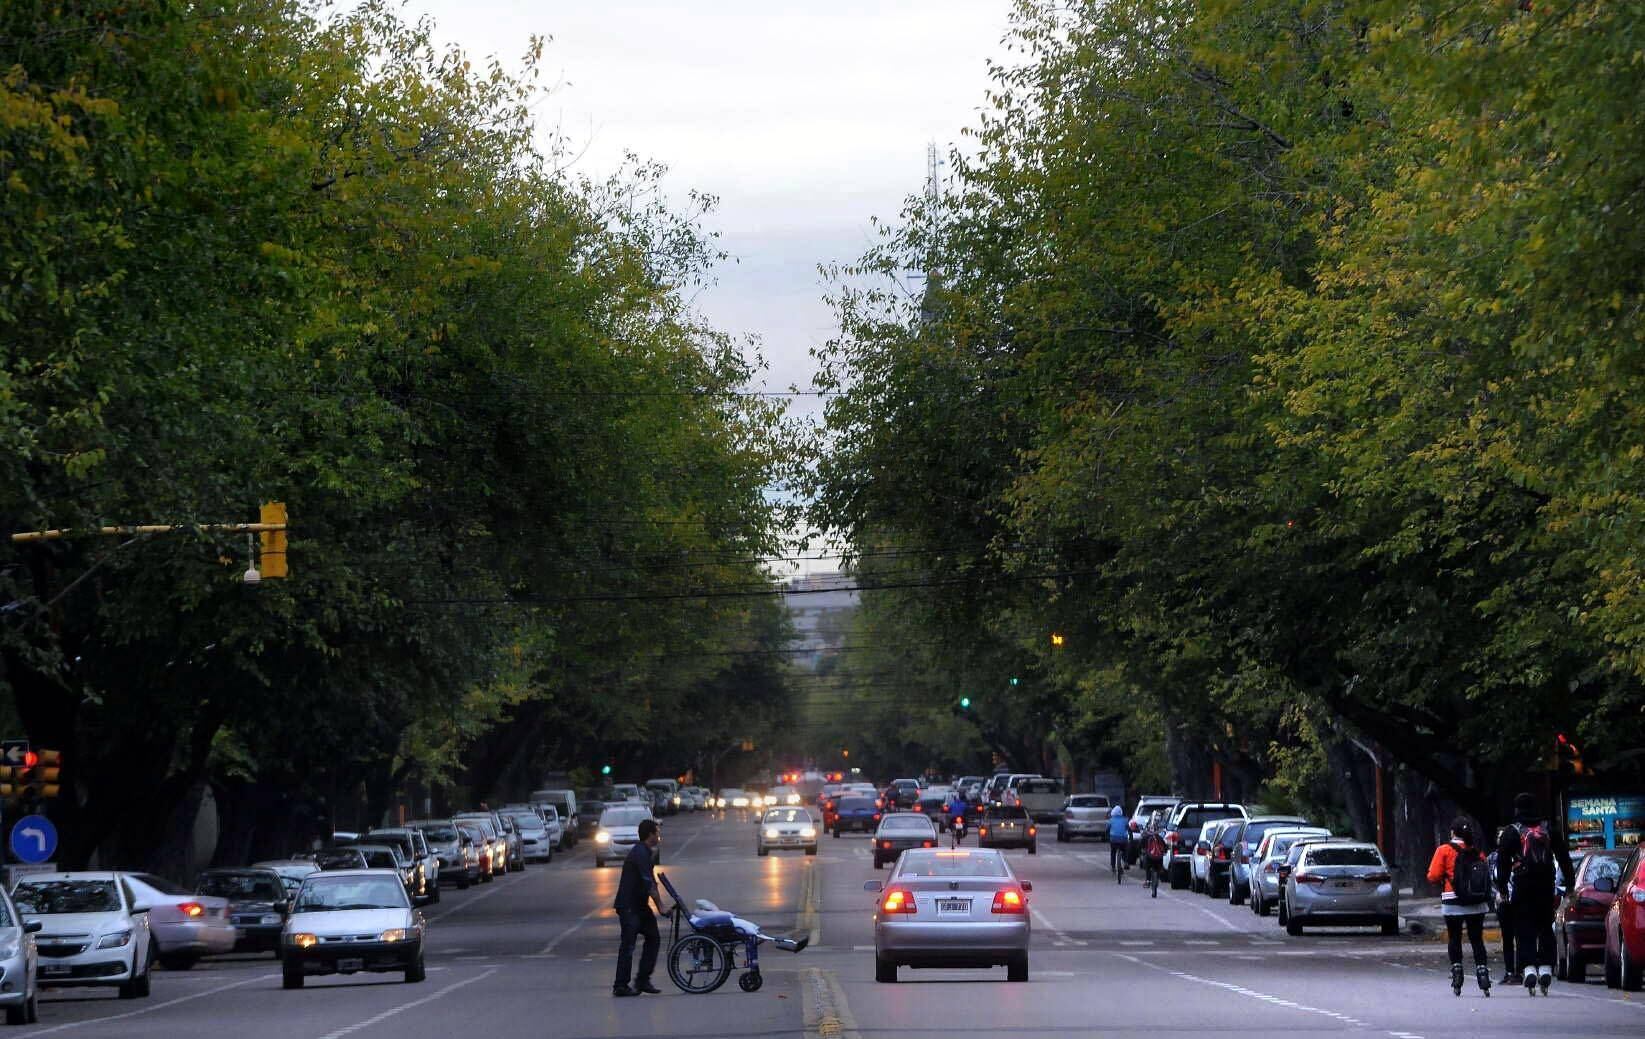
(33, 839)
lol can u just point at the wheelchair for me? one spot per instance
(718, 943)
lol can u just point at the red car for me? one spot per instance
(1579, 922)
(1625, 927)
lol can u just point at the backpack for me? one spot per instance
(1533, 870)
(1471, 878)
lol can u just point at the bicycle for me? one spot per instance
(1150, 879)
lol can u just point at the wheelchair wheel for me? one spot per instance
(751, 981)
(698, 964)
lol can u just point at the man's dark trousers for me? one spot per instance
(637, 922)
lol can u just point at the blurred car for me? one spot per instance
(94, 930)
(1625, 926)
(413, 846)
(1244, 838)
(1203, 854)
(350, 921)
(785, 795)
(1182, 833)
(1084, 815)
(485, 848)
(570, 806)
(786, 827)
(900, 831)
(257, 905)
(618, 833)
(855, 814)
(388, 855)
(515, 840)
(458, 861)
(1341, 884)
(185, 926)
(588, 818)
(1265, 864)
(536, 842)
(1147, 805)
(556, 828)
(1579, 921)
(962, 908)
(933, 802)
(19, 965)
(901, 795)
(735, 797)
(340, 858)
(1008, 826)
(1041, 797)
(496, 839)
(292, 871)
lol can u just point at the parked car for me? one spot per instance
(1579, 921)
(19, 964)
(1147, 805)
(292, 871)
(618, 833)
(185, 926)
(1204, 852)
(587, 818)
(855, 814)
(1337, 885)
(257, 905)
(340, 858)
(786, 827)
(1182, 834)
(1084, 815)
(951, 909)
(454, 850)
(1625, 926)
(93, 930)
(1040, 796)
(1008, 826)
(1244, 837)
(426, 867)
(571, 810)
(496, 839)
(351, 921)
(536, 840)
(1266, 861)
(485, 847)
(900, 831)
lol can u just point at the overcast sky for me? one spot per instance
(806, 119)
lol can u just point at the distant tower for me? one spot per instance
(929, 306)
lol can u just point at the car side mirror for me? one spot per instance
(1028, 885)
(140, 908)
(34, 927)
(1605, 885)
(873, 885)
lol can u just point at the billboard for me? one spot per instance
(1605, 821)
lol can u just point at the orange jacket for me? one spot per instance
(1443, 867)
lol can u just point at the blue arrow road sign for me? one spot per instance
(33, 839)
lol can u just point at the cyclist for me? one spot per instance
(1153, 853)
(1119, 833)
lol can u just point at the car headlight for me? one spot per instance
(771, 833)
(393, 934)
(676, 800)
(809, 831)
(10, 950)
(115, 940)
(602, 838)
(303, 940)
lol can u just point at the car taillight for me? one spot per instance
(1008, 901)
(191, 910)
(876, 817)
(885, 844)
(1171, 838)
(928, 844)
(879, 802)
(898, 901)
(1309, 878)
(1376, 878)
(1133, 827)
(982, 831)
(919, 808)
(1220, 853)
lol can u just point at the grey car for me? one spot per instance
(257, 905)
(453, 851)
(1084, 815)
(414, 846)
(899, 832)
(960, 908)
(19, 964)
(1008, 826)
(1341, 885)
(1266, 862)
(1244, 837)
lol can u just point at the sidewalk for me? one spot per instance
(1424, 916)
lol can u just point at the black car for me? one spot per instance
(854, 814)
(257, 905)
(901, 796)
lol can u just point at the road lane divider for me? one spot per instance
(809, 918)
(153, 1007)
(548, 950)
(402, 1008)
(827, 1014)
(1249, 993)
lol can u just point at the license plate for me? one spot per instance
(351, 965)
(953, 907)
(53, 971)
(1342, 885)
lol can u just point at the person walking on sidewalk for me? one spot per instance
(635, 892)
(1460, 867)
(1526, 856)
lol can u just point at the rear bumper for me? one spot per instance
(1586, 937)
(1345, 910)
(954, 944)
(201, 939)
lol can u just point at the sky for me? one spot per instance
(806, 119)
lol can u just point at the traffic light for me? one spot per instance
(605, 770)
(273, 542)
(45, 773)
(965, 703)
(1057, 640)
(1015, 680)
(1568, 755)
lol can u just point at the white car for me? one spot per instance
(95, 931)
(786, 827)
(18, 959)
(349, 921)
(1199, 862)
(536, 839)
(785, 795)
(556, 826)
(618, 833)
(185, 925)
(736, 798)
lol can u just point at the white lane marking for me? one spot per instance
(1224, 921)
(154, 1007)
(862, 948)
(1405, 1035)
(1202, 941)
(1248, 993)
(548, 950)
(1056, 932)
(402, 1008)
(1136, 943)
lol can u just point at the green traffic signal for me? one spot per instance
(965, 702)
(605, 770)
(1015, 680)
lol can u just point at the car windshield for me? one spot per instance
(1039, 786)
(161, 884)
(244, 887)
(440, 832)
(788, 815)
(1349, 856)
(1195, 818)
(625, 816)
(1006, 812)
(528, 821)
(1087, 801)
(951, 864)
(380, 858)
(49, 897)
(334, 894)
(908, 821)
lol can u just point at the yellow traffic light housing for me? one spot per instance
(273, 542)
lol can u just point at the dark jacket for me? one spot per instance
(1508, 846)
(637, 884)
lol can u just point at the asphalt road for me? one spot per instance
(532, 956)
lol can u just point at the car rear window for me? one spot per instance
(1338, 856)
(1196, 818)
(1038, 786)
(1007, 812)
(440, 832)
(951, 864)
(907, 821)
(855, 803)
(242, 886)
(1087, 801)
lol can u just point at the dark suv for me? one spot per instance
(1182, 833)
(902, 795)
(257, 905)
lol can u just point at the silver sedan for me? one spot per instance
(962, 908)
(786, 828)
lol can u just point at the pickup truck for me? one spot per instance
(1041, 797)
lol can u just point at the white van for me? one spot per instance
(564, 803)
